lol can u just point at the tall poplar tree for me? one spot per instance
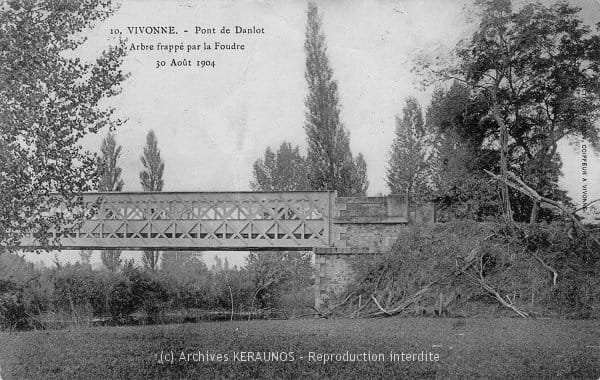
(110, 172)
(330, 160)
(152, 180)
(407, 166)
(360, 182)
(110, 180)
(151, 176)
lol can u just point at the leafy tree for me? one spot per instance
(219, 264)
(458, 184)
(225, 264)
(232, 288)
(111, 259)
(275, 272)
(152, 175)
(121, 300)
(360, 181)
(180, 261)
(110, 180)
(408, 159)
(459, 111)
(535, 63)
(49, 101)
(330, 160)
(85, 257)
(152, 180)
(186, 278)
(21, 296)
(191, 291)
(460, 187)
(272, 272)
(137, 290)
(76, 288)
(284, 170)
(150, 259)
(110, 172)
(539, 68)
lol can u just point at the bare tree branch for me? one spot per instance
(516, 183)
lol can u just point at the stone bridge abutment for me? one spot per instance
(361, 226)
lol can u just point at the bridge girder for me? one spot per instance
(199, 221)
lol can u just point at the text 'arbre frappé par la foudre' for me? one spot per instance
(195, 46)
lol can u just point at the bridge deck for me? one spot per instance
(201, 221)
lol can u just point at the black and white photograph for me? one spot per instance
(314, 189)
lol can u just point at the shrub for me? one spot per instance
(77, 288)
(137, 290)
(121, 301)
(22, 298)
(13, 313)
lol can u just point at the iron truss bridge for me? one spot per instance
(200, 221)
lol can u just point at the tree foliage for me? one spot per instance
(330, 160)
(537, 67)
(360, 181)
(49, 102)
(273, 273)
(284, 170)
(21, 297)
(111, 259)
(152, 180)
(150, 259)
(152, 175)
(547, 65)
(137, 290)
(110, 180)
(110, 172)
(407, 169)
(85, 257)
(459, 186)
(182, 262)
(541, 67)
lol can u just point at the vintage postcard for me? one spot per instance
(299, 189)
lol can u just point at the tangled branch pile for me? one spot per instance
(467, 268)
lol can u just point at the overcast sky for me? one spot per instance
(213, 123)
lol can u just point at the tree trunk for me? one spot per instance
(534, 213)
(508, 214)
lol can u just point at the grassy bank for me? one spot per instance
(489, 348)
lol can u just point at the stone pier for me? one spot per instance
(360, 226)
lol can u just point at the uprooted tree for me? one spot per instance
(464, 268)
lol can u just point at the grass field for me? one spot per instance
(481, 348)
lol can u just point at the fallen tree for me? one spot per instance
(463, 267)
(516, 183)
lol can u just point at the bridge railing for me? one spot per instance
(198, 221)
